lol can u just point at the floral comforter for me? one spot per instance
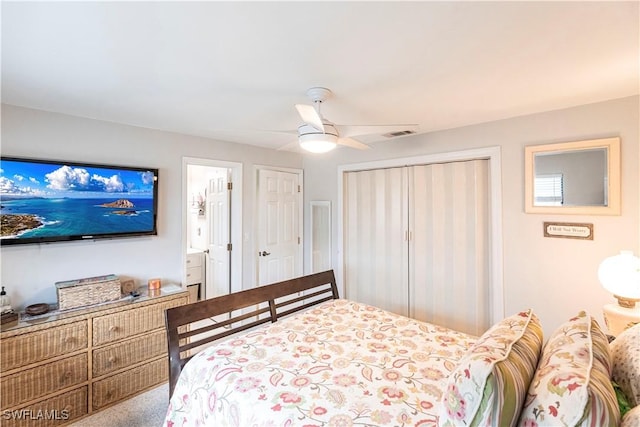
(340, 363)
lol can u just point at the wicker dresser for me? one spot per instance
(56, 369)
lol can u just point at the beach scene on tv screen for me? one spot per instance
(53, 200)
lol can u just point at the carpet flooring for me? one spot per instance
(145, 410)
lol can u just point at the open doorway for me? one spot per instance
(212, 227)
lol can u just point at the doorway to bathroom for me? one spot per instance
(212, 195)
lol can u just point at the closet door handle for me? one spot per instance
(264, 253)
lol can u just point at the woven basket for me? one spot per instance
(89, 291)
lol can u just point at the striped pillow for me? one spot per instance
(489, 385)
(572, 385)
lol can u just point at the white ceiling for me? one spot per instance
(229, 70)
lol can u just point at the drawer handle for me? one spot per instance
(114, 328)
(70, 340)
(112, 359)
(67, 375)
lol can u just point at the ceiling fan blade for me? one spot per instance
(310, 116)
(291, 146)
(355, 130)
(290, 133)
(350, 142)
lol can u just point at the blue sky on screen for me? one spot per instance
(34, 179)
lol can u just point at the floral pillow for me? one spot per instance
(625, 355)
(489, 385)
(572, 386)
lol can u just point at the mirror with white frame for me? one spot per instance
(580, 178)
(320, 236)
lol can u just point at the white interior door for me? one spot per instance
(219, 256)
(375, 228)
(416, 242)
(449, 249)
(279, 226)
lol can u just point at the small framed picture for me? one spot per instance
(128, 286)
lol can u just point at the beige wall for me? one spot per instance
(30, 271)
(555, 277)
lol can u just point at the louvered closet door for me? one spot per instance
(449, 245)
(375, 249)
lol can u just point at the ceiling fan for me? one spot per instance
(318, 135)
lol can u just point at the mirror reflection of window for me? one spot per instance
(583, 178)
(548, 190)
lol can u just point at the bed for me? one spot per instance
(294, 354)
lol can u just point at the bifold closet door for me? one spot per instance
(449, 245)
(375, 249)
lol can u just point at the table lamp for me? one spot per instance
(620, 275)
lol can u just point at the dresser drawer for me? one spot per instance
(33, 383)
(127, 323)
(125, 384)
(51, 412)
(194, 260)
(21, 350)
(130, 352)
(194, 275)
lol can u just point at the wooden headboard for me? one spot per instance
(237, 312)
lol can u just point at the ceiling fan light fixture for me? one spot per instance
(318, 142)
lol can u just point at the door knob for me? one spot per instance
(264, 253)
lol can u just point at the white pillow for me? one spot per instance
(631, 418)
(625, 355)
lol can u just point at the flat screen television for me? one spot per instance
(45, 201)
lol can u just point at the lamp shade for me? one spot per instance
(620, 275)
